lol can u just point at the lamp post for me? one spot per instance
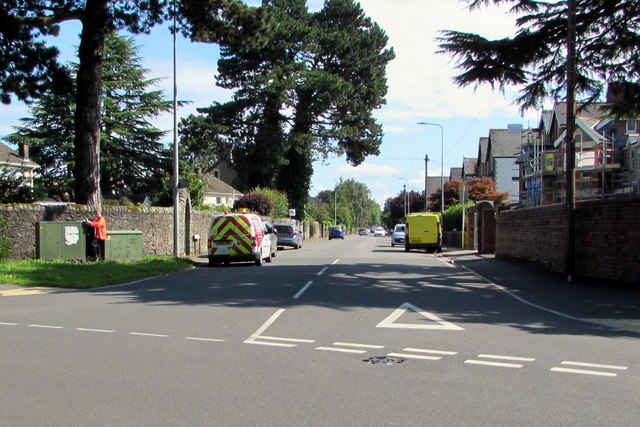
(176, 172)
(405, 197)
(441, 163)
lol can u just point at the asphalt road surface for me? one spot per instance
(342, 332)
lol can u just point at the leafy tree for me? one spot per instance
(394, 208)
(451, 196)
(309, 92)
(279, 200)
(12, 188)
(25, 21)
(484, 188)
(133, 160)
(607, 48)
(319, 210)
(255, 202)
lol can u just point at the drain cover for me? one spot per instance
(384, 360)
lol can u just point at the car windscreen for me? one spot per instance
(283, 228)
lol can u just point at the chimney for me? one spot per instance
(23, 151)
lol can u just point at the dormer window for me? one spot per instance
(632, 126)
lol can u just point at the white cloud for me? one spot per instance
(368, 170)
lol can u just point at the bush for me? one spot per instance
(453, 217)
(255, 202)
(279, 199)
(6, 245)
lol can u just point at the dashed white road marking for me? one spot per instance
(351, 344)
(415, 356)
(498, 364)
(335, 262)
(422, 350)
(46, 326)
(595, 365)
(94, 330)
(585, 372)
(203, 339)
(8, 324)
(321, 272)
(342, 350)
(304, 288)
(514, 358)
(144, 334)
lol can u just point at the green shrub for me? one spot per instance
(255, 202)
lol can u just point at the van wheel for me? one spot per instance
(268, 258)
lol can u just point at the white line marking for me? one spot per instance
(273, 344)
(420, 350)
(46, 326)
(304, 288)
(414, 356)
(498, 364)
(8, 324)
(203, 339)
(539, 307)
(93, 330)
(498, 357)
(594, 365)
(265, 325)
(389, 322)
(585, 372)
(335, 262)
(351, 344)
(284, 339)
(322, 271)
(148, 335)
(341, 350)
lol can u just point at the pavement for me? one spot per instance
(612, 305)
(605, 304)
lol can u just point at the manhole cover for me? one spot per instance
(384, 360)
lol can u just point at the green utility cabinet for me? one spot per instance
(123, 245)
(61, 240)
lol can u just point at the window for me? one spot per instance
(632, 126)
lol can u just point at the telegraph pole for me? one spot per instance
(570, 167)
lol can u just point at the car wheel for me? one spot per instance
(259, 259)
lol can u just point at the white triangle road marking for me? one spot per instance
(390, 321)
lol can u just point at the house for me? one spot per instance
(18, 163)
(498, 159)
(469, 168)
(219, 192)
(606, 156)
(455, 174)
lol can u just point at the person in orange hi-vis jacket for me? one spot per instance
(99, 236)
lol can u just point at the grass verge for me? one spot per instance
(87, 275)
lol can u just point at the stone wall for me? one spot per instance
(155, 223)
(607, 238)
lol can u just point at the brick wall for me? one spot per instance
(607, 238)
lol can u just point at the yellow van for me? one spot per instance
(423, 231)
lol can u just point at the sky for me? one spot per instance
(420, 89)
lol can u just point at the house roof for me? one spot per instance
(455, 174)
(11, 158)
(502, 143)
(469, 165)
(433, 183)
(593, 111)
(483, 148)
(217, 186)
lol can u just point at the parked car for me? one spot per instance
(363, 232)
(336, 232)
(289, 235)
(379, 232)
(397, 237)
(241, 237)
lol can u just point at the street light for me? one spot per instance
(441, 162)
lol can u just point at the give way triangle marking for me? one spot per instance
(438, 323)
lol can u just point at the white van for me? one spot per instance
(241, 237)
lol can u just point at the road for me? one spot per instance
(341, 332)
